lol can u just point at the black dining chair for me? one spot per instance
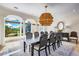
(29, 36)
(41, 33)
(51, 32)
(51, 42)
(58, 39)
(41, 46)
(46, 33)
(36, 34)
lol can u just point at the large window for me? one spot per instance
(12, 26)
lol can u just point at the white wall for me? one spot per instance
(34, 28)
(0, 30)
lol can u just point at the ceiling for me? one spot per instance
(66, 12)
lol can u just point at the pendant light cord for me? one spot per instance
(46, 8)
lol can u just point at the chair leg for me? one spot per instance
(39, 52)
(46, 51)
(32, 50)
(24, 46)
(49, 49)
(53, 47)
(58, 44)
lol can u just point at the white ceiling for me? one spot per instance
(69, 13)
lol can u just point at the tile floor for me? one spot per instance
(15, 48)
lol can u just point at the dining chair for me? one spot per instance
(41, 33)
(29, 36)
(51, 42)
(36, 34)
(58, 39)
(74, 36)
(41, 46)
(46, 33)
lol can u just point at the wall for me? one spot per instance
(2, 31)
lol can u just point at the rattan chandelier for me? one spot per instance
(46, 18)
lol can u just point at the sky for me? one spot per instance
(12, 25)
(14, 19)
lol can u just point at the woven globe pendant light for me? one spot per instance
(46, 19)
